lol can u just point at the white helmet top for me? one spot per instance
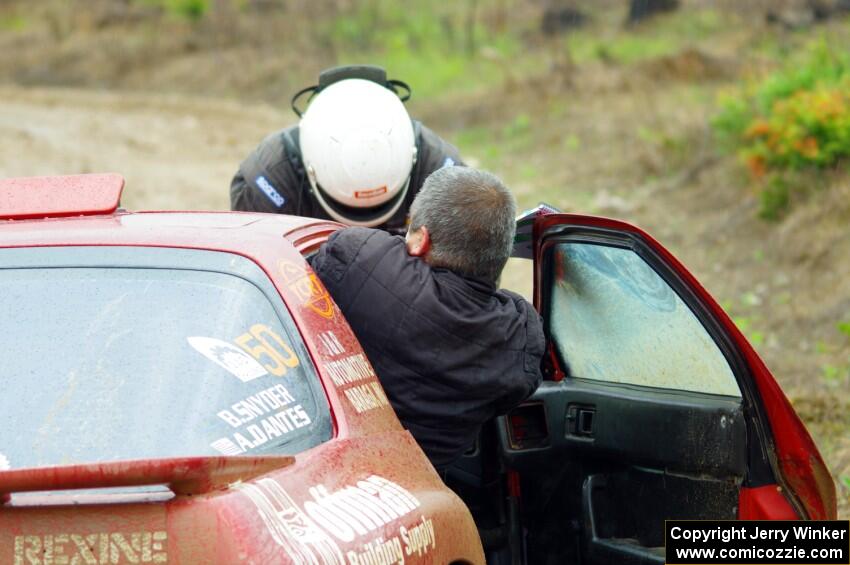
(358, 147)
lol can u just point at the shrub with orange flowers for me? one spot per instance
(797, 118)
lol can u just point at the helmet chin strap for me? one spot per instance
(320, 196)
(311, 176)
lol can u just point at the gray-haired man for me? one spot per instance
(450, 349)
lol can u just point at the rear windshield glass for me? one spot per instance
(108, 363)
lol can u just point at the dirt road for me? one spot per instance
(175, 152)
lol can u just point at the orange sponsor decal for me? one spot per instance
(308, 289)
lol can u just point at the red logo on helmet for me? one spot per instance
(371, 193)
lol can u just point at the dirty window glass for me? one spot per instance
(614, 319)
(103, 364)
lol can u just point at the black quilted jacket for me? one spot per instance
(450, 351)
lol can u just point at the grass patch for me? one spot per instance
(838, 373)
(192, 10)
(774, 198)
(439, 50)
(492, 144)
(668, 34)
(13, 23)
(745, 324)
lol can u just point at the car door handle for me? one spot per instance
(580, 420)
(585, 421)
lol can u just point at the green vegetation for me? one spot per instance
(192, 10)
(833, 373)
(745, 324)
(797, 118)
(837, 373)
(624, 48)
(669, 34)
(774, 198)
(747, 301)
(492, 144)
(438, 51)
(13, 23)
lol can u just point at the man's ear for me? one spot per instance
(419, 242)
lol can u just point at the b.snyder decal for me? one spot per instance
(311, 532)
(270, 414)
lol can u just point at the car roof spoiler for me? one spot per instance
(59, 196)
(183, 475)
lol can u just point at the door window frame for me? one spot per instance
(760, 458)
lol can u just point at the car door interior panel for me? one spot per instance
(654, 428)
(631, 453)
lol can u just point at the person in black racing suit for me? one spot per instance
(355, 157)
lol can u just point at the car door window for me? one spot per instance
(614, 319)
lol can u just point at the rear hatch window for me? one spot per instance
(128, 353)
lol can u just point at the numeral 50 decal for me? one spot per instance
(269, 349)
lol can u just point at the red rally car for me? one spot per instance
(180, 388)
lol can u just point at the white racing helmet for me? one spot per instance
(358, 148)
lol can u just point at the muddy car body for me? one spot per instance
(302, 460)
(184, 390)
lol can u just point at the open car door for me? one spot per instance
(654, 406)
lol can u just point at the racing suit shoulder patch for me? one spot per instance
(270, 191)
